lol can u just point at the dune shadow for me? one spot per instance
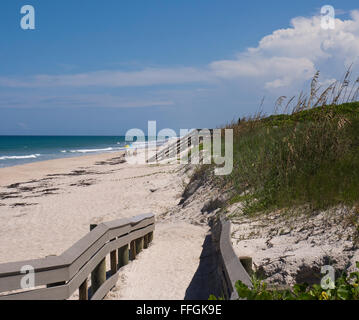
(206, 279)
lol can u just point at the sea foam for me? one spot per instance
(31, 156)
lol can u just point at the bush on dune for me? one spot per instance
(307, 157)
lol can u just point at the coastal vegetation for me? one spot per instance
(309, 157)
(346, 287)
(305, 158)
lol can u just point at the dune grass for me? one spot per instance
(307, 157)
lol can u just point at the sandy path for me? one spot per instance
(166, 268)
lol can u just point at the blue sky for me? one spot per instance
(103, 67)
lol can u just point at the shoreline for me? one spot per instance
(36, 153)
(53, 164)
(77, 155)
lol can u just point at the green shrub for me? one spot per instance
(309, 157)
(346, 288)
(312, 162)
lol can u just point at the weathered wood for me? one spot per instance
(139, 245)
(185, 141)
(145, 241)
(113, 257)
(48, 270)
(65, 291)
(65, 274)
(133, 250)
(150, 237)
(123, 256)
(83, 251)
(56, 284)
(83, 291)
(105, 288)
(98, 275)
(233, 270)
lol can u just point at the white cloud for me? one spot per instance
(290, 56)
(279, 71)
(283, 59)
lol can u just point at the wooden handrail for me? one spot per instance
(231, 267)
(181, 144)
(66, 273)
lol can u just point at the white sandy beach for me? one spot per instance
(45, 207)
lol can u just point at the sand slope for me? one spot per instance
(165, 270)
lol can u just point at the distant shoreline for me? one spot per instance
(70, 156)
(18, 150)
(14, 174)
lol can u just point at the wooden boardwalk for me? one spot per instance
(58, 277)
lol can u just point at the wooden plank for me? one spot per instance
(98, 276)
(52, 269)
(232, 267)
(44, 264)
(139, 245)
(42, 277)
(64, 292)
(142, 217)
(133, 250)
(145, 241)
(150, 237)
(161, 154)
(78, 255)
(83, 291)
(74, 284)
(106, 287)
(113, 259)
(123, 256)
(54, 293)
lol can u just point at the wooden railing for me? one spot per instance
(58, 277)
(230, 267)
(181, 144)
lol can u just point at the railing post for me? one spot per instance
(139, 245)
(123, 256)
(83, 291)
(150, 237)
(133, 250)
(98, 275)
(113, 258)
(145, 241)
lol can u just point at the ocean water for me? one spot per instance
(16, 150)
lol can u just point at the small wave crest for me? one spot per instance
(87, 150)
(31, 156)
